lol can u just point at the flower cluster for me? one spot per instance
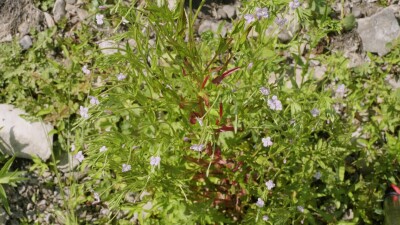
(99, 19)
(155, 160)
(261, 13)
(84, 112)
(294, 4)
(267, 142)
(274, 103)
(121, 76)
(197, 147)
(126, 167)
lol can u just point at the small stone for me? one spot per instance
(82, 14)
(221, 14)
(41, 206)
(230, 11)
(356, 11)
(49, 20)
(59, 10)
(70, 1)
(25, 42)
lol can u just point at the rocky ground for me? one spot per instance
(39, 200)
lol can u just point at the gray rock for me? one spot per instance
(379, 30)
(230, 11)
(109, 47)
(23, 138)
(221, 14)
(67, 162)
(356, 11)
(82, 14)
(49, 20)
(25, 42)
(59, 10)
(70, 1)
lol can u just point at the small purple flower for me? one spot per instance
(79, 156)
(99, 19)
(126, 167)
(85, 70)
(340, 91)
(83, 111)
(262, 13)
(94, 100)
(280, 21)
(294, 4)
(103, 149)
(267, 142)
(121, 76)
(265, 91)
(318, 175)
(265, 218)
(300, 208)
(155, 160)
(250, 65)
(197, 147)
(274, 103)
(249, 18)
(314, 112)
(260, 203)
(270, 184)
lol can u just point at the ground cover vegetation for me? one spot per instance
(212, 129)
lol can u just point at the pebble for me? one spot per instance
(59, 10)
(25, 42)
(230, 11)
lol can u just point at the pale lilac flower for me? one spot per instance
(300, 208)
(260, 203)
(262, 13)
(249, 18)
(340, 91)
(79, 156)
(250, 65)
(121, 76)
(96, 198)
(103, 7)
(318, 175)
(267, 142)
(294, 4)
(280, 21)
(265, 218)
(94, 100)
(270, 184)
(265, 91)
(200, 120)
(72, 147)
(155, 160)
(284, 161)
(99, 19)
(85, 70)
(274, 103)
(83, 111)
(314, 112)
(126, 167)
(197, 147)
(103, 149)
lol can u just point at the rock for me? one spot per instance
(67, 162)
(214, 26)
(230, 11)
(221, 14)
(70, 1)
(23, 138)
(25, 42)
(109, 47)
(82, 14)
(356, 11)
(59, 10)
(49, 20)
(379, 30)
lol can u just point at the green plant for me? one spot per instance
(8, 178)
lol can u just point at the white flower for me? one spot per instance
(126, 167)
(72, 147)
(155, 160)
(83, 111)
(96, 198)
(260, 203)
(94, 100)
(265, 218)
(197, 147)
(262, 13)
(314, 112)
(265, 91)
(121, 76)
(79, 156)
(267, 142)
(103, 149)
(85, 70)
(300, 208)
(99, 19)
(318, 175)
(274, 103)
(200, 120)
(270, 184)
(124, 21)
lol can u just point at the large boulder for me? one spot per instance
(23, 138)
(379, 30)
